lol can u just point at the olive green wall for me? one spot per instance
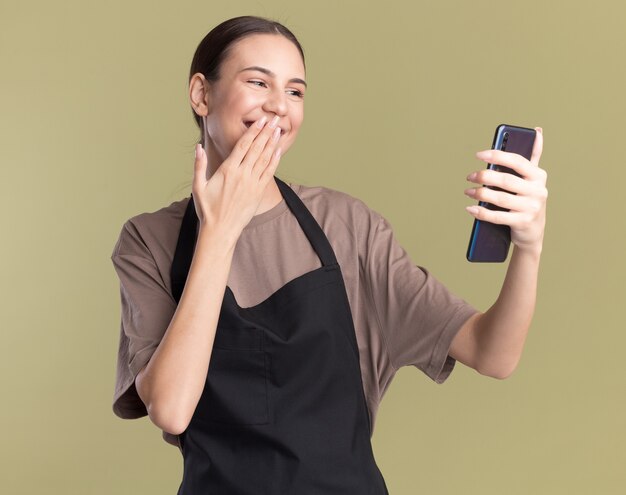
(95, 127)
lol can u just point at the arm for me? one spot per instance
(170, 389)
(173, 380)
(492, 342)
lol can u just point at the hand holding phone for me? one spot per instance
(489, 242)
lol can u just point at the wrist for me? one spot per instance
(216, 238)
(530, 252)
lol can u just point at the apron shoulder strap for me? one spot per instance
(309, 225)
(184, 250)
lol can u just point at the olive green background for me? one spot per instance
(95, 127)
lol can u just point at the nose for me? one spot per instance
(276, 102)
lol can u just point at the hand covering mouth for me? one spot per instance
(248, 123)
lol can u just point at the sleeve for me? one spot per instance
(146, 310)
(417, 315)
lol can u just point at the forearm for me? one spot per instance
(501, 331)
(174, 378)
(492, 342)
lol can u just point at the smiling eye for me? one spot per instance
(295, 92)
(257, 83)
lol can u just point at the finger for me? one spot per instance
(494, 216)
(245, 141)
(537, 147)
(503, 180)
(259, 143)
(268, 173)
(513, 161)
(199, 167)
(266, 155)
(498, 198)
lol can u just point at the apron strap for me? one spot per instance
(309, 225)
(184, 250)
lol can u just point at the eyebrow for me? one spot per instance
(271, 74)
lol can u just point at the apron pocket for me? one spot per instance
(236, 387)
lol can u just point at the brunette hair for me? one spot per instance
(214, 47)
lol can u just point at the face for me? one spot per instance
(263, 74)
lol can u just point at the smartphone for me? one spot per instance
(489, 242)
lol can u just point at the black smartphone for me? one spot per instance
(490, 242)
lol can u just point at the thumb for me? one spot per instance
(537, 147)
(199, 166)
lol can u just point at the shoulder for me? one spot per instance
(147, 233)
(348, 222)
(332, 205)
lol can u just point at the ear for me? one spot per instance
(200, 94)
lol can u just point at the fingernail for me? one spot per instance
(483, 154)
(274, 121)
(276, 134)
(471, 176)
(261, 122)
(470, 192)
(472, 209)
(539, 129)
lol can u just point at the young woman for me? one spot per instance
(262, 322)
